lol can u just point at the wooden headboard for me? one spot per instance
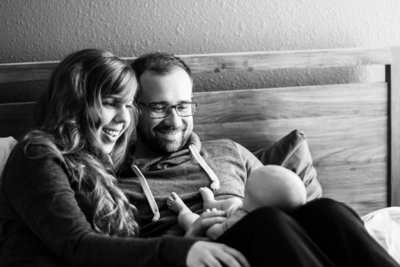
(353, 129)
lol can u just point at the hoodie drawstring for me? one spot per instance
(147, 192)
(215, 185)
(213, 177)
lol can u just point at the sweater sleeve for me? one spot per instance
(40, 193)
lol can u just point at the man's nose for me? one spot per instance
(173, 119)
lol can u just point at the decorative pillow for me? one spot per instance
(6, 146)
(292, 152)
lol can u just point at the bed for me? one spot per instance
(352, 128)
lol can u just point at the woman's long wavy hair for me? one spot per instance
(68, 116)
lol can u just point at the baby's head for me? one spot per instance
(274, 185)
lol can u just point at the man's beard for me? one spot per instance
(161, 145)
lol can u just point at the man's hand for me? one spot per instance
(207, 219)
(209, 254)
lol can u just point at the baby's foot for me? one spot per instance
(209, 201)
(208, 197)
(175, 203)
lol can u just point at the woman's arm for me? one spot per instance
(40, 193)
(213, 254)
(204, 253)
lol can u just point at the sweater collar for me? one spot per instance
(146, 160)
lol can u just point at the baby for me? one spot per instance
(270, 185)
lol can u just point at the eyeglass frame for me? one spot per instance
(169, 109)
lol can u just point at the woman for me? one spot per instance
(59, 200)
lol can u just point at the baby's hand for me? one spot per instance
(207, 219)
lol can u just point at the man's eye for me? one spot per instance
(183, 107)
(157, 108)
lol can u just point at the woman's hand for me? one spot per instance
(207, 219)
(209, 254)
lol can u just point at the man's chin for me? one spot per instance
(169, 143)
(168, 148)
(162, 144)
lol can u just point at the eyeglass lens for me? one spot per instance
(162, 111)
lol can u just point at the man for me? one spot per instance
(169, 157)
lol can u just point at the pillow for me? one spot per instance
(292, 152)
(6, 146)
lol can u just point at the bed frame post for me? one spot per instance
(393, 80)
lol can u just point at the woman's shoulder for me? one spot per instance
(31, 168)
(27, 156)
(28, 149)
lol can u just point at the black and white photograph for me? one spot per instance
(200, 133)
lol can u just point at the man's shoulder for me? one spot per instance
(224, 141)
(221, 145)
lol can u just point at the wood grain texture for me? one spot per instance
(28, 71)
(242, 61)
(361, 186)
(291, 102)
(16, 119)
(273, 60)
(346, 127)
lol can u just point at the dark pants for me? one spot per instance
(323, 232)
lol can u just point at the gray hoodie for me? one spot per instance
(182, 173)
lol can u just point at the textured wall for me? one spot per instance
(33, 30)
(48, 29)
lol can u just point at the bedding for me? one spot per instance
(384, 227)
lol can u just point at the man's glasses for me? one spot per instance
(160, 111)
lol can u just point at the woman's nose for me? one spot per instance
(123, 115)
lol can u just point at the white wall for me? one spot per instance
(49, 29)
(33, 30)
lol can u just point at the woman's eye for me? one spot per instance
(109, 103)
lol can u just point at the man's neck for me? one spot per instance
(143, 151)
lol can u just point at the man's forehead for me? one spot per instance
(174, 72)
(175, 84)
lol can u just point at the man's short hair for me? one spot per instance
(159, 63)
